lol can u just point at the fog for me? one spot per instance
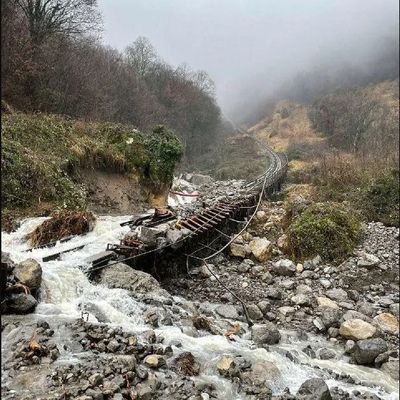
(251, 47)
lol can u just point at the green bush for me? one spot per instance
(326, 229)
(379, 199)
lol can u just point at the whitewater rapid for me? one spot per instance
(67, 292)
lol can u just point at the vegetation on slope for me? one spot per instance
(42, 153)
(344, 144)
(326, 229)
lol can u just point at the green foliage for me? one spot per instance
(41, 154)
(328, 229)
(164, 150)
(378, 200)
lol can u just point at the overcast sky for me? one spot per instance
(250, 46)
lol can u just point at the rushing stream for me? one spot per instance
(66, 292)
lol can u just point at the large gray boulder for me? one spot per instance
(365, 351)
(314, 389)
(265, 334)
(284, 267)
(330, 316)
(21, 303)
(29, 273)
(124, 277)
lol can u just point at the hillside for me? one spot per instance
(49, 161)
(343, 146)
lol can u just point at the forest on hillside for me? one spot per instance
(53, 61)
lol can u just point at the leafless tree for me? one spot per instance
(47, 18)
(141, 55)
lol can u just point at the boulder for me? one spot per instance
(325, 302)
(314, 389)
(368, 261)
(226, 366)
(237, 250)
(387, 323)
(261, 249)
(29, 273)
(227, 311)
(284, 267)
(357, 329)
(260, 373)
(265, 334)
(330, 316)
(186, 364)
(365, 351)
(124, 277)
(254, 312)
(286, 310)
(300, 299)
(391, 368)
(21, 303)
(337, 294)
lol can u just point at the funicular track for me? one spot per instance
(205, 231)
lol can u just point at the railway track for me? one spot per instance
(201, 226)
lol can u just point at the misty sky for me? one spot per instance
(249, 47)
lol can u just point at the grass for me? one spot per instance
(42, 153)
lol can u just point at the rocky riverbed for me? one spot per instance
(320, 331)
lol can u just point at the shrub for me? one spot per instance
(326, 229)
(378, 200)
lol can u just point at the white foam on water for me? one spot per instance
(66, 292)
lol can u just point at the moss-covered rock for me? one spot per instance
(330, 230)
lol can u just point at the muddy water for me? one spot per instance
(66, 293)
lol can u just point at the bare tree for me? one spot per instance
(47, 18)
(141, 55)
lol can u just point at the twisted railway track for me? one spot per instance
(201, 231)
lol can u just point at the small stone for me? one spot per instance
(325, 283)
(238, 250)
(300, 299)
(337, 294)
(265, 334)
(326, 354)
(368, 261)
(299, 268)
(284, 267)
(96, 379)
(286, 310)
(254, 312)
(227, 311)
(325, 302)
(154, 361)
